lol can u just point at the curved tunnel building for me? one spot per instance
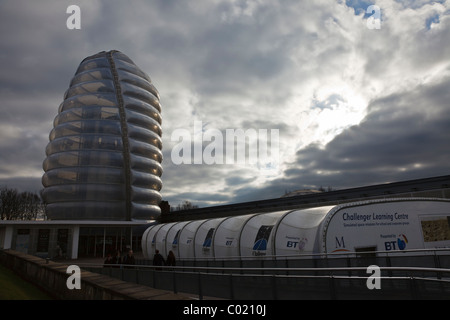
(103, 161)
(373, 225)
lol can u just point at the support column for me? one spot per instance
(75, 240)
(9, 231)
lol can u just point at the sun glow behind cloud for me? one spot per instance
(333, 109)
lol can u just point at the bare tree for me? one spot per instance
(186, 205)
(30, 205)
(9, 203)
(19, 206)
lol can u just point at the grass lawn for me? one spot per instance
(12, 287)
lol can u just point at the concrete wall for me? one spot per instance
(52, 277)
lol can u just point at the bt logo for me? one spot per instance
(400, 244)
(292, 244)
(297, 244)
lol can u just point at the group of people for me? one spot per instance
(158, 259)
(119, 260)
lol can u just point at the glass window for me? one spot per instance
(149, 108)
(91, 64)
(129, 89)
(145, 150)
(84, 158)
(128, 66)
(85, 192)
(139, 82)
(139, 163)
(83, 88)
(91, 75)
(141, 134)
(86, 126)
(104, 99)
(107, 142)
(143, 195)
(437, 229)
(43, 240)
(104, 175)
(146, 180)
(87, 113)
(143, 121)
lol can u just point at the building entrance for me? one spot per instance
(101, 241)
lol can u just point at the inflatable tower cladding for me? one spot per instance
(104, 156)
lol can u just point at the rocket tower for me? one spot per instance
(104, 156)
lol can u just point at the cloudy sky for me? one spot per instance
(353, 104)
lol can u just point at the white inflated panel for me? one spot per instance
(151, 237)
(186, 240)
(298, 230)
(160, 240)
(257, 235)
(144, 242)
(172, 238)
(226, 238)
(204, 238)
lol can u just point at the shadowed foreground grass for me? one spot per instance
(12, 287)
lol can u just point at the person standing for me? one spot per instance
(158, 259)
(129, 258)
(108, 261)
(117, 259)
(170, 259)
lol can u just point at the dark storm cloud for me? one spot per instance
(405, 137)
(31, 184)
(245, 64)
(35, 50)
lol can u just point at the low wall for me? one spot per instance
(52, 277)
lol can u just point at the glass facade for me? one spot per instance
(104, 156)
(100, 241)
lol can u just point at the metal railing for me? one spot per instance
(284, 283)
(433, 258)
